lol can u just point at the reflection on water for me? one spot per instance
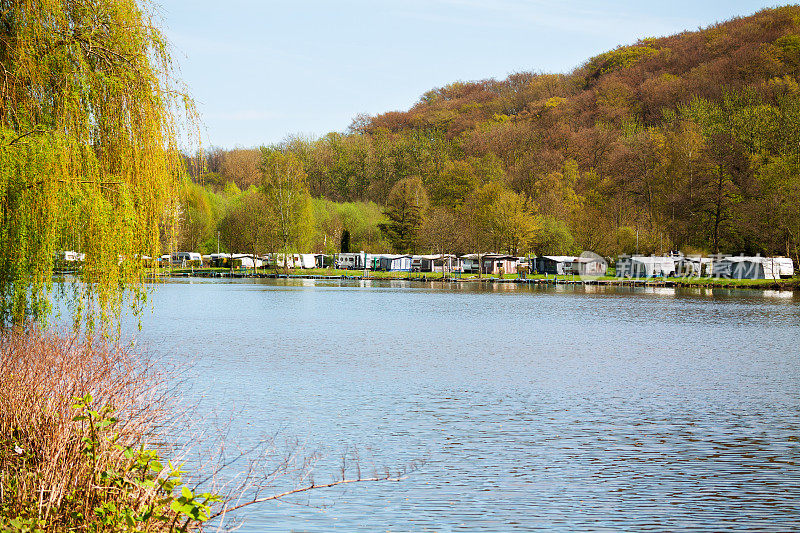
(536, 408)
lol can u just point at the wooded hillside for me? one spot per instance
(691, 141)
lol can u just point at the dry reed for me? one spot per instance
(58, 473)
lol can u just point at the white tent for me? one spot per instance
(395, 263)
(784, 265)
(305, 261)
(248, 261)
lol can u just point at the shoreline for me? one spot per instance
(790, 284)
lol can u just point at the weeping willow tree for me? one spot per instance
(89, 159)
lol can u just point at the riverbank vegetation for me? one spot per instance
(80, 426)
(689, 142)
(90, 440)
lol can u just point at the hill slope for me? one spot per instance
(689, 141)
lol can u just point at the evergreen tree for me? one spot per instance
(405, 209)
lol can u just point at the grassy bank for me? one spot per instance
(783, 284)
(791, 284)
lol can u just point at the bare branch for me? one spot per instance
(35, 130)
(311, 486)
(89, 182)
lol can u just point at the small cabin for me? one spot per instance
(589, 266)
(495, 264)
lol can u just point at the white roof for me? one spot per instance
(653, 259)
(745, 258)
(693, 258)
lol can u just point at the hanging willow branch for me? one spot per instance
(88, 85)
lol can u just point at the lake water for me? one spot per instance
(534, 409)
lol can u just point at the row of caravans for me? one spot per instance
(347, 261)
(306, 261)
(189, 259)
(365, 261)
(637, 266)
(492, 263)
(731, 267)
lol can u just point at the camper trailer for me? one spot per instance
(186, 259)
(469, 264)
(350, 261)
(304, 261)
(640, 266)
(693, 267)
(246, 261)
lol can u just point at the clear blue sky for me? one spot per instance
(262, 70)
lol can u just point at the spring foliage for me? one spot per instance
(689, 141)
(88, 155)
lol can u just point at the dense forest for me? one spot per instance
(689, 142)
